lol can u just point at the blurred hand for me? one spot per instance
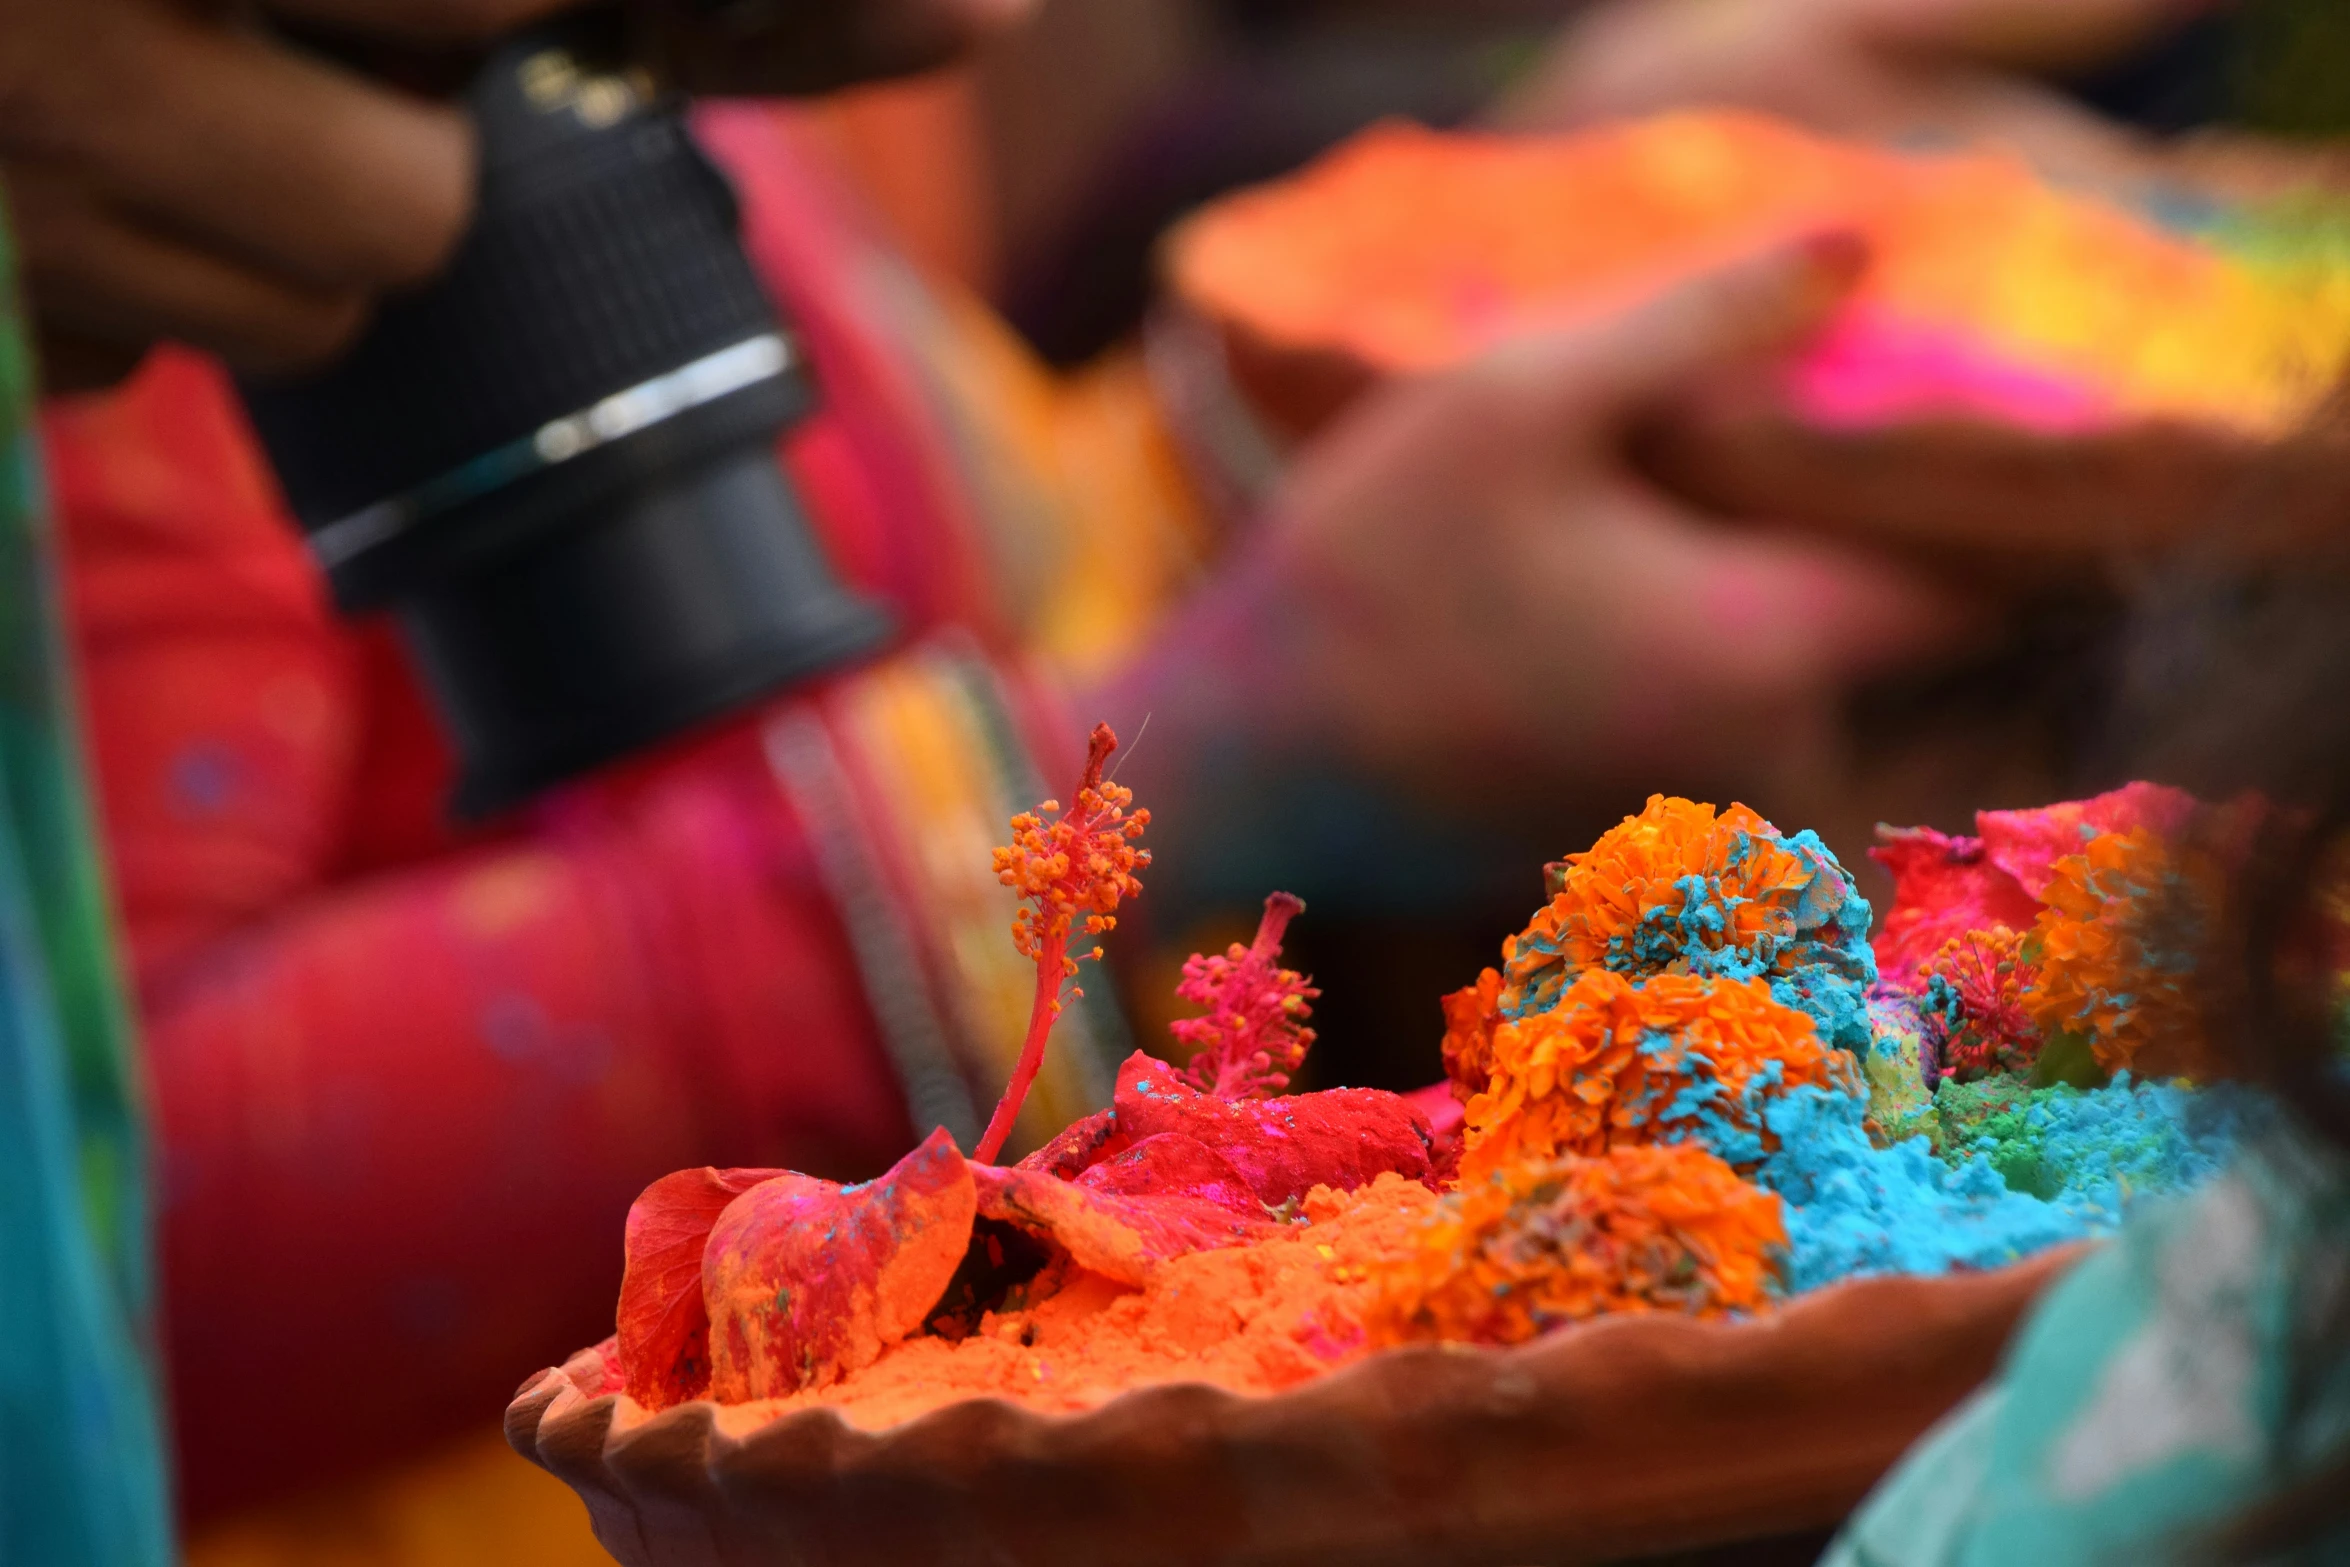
(1465, 590)
(1493, 584)
(173, 173)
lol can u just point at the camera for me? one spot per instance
(555, 464)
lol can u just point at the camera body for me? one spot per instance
(555, 464)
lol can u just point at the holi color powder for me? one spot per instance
(1855, 1209)
(1872, 369)
(1688, 1088)
(1901, 1166)
(1250, 1319)
(1991, 293)
(2099, 1148)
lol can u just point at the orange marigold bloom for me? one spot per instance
(1471, 1014)
(2115, 946)
(1678, 885)
(1619, 1062)
(1662, 1228)
(1068, 869)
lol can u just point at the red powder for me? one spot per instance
(1252, 1319)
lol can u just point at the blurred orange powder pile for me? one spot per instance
(1412, 248)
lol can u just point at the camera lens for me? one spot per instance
(554, 465)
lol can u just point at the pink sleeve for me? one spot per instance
(402, 1122)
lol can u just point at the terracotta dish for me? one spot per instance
(1622, 1437)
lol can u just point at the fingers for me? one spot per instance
(1583, 384)
(104, 286)
(234, 141)
(1765, 616)
(1761, 304)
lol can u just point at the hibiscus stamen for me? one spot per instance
(1070, 872)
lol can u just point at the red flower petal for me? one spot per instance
(2027, 844)
(1080, 1145)
(1173, 1165)
(664, 1329)
(1448, 1118)
(1283, 1148)
(1119, 1237)
(807, 1281)
(1943, 887)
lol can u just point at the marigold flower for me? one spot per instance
(1255, 1035)
(1973, 1002)
(1618, 1062)
(1070, 871)
(1637, 1229)
(1471, 1014)
(1680, 889)
(2113, 950)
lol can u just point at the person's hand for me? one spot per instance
(1491, 580)
(174, 172)
(1465, 593)
(171, 174)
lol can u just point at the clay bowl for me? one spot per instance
(1619, 1438)
(1967, 494)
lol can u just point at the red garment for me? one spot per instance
(407, 1082)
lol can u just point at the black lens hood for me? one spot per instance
(547, 464)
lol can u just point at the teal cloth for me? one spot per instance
(82, 1456)
(2174, 1379)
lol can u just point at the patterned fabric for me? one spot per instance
(82, 1480)
(407, 1078)
(2176, 1377)
(906, 776)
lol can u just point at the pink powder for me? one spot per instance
(1871, 369)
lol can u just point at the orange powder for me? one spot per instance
(1409, 249)
(1252, 1319)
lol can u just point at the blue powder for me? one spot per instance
(1854, 1209)
(1838, 1005)
(1701, 1108)
(2100, 1148)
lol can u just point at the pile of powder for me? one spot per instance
(1989, 290)
(1996, 1171)
(2093, 1148)
(1251, 1319)
(1855, 1209)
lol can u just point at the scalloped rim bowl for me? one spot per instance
(1619, 1437)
